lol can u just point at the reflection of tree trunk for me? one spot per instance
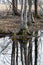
(36, 48)
(25, 53)
(30, 42)
(21, 49)
(29, 55)
(22, 55)
(30, 52)
(13, 54)
(16, 53)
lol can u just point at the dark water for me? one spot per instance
(5, 56)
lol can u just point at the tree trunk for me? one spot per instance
(25, 15)
(13, 5)
(36, 13)
(14, 8)
(30, 13)
(16, 4)
(21, 22)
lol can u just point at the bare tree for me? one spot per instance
(13, 5)
(21, 22)
(14, 8)
(30, 13)
(36, 13)
(16, 3)
(25, 15)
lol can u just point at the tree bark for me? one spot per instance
(21, 22)
(14, 8)
(25, 15)
(29, 12)
(16, 4)
(36, 13)
(13, 5)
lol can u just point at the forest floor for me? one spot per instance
(10, 24)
